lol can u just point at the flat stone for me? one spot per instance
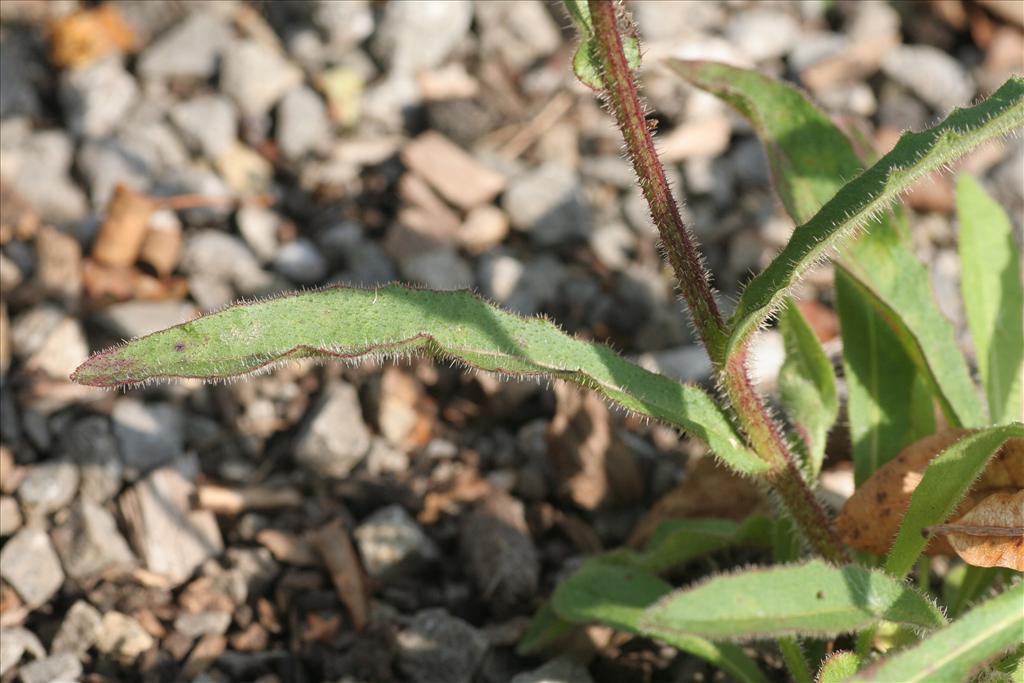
(138, 318)
(169, 537)
(933, 75)
(225, 258)
(90, 444)
(456, 175)
(256, 76)
(441, 268)
(29, 563)
(763, 32)
(54, 669)
(300, 261)
(149, 434)
(439, 648)
(96, 98)
(202, 623)
(17, 641)
(122, 637)
(303, 125)
(208, 124)
(392, 544)
(50, 341)
(548, 204)
(38, 170)
(334, 438)
(413, 36)
(259, 228)
(189, 50)
(79, 630)
(48, 486)
(90, 544)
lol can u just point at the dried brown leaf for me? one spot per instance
(992, 533)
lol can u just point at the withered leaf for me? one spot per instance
(871, 518)
(992, 533)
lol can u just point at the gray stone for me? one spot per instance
(763, 32)
(256, 76)
(347, 23)
(612, 244)
(97, 97)
(48, 487)
(90, 443)
(202, 623)
(676, 21)
(384, 458)
(79, 630)
(525, 289)
(105, 164)
(548, 204)
(561, 670)
(208, 124)
(303, 125)
(440, 268)
(189, 50)
(520, 33)
(816, 47)
(10, 516)
(19, 69)
(386, 100)
(685, 363)
(90, 544)
(300, 261)
(16, 642)
(58, 668)
(334, 438)
(259, 229)
(225, 258)
(393, 545)
(122, 637)
(366, 261)
(934, 76)
(414, 36)
(29, 563)
(439, 648)
(38, 171)
(149, 434)
(139, 318)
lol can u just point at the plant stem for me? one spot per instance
(796, 662)
(694, 283)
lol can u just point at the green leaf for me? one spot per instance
(807, 385)
(990, 277)
(813, 599)
(681, 540)
(544, 629)
(350, 324)
(586, 63)
(888, 402)
(838, 667)
(956, 651)
(811, 159)
(805, 138)
(946, 481)
(615, 594)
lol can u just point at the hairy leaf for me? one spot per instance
(956, 651)
(838, 667)
(991, 534)
(814, 599)
(586, 63)
(948, 478)
(888, 402)
(350, 324)
(811, 159)
(807, 385)
(990, 278)
(616, 594)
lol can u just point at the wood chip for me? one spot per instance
(459, 177)
(124, 229)
(222, 500)
(288, 548)
(161, 248)
(334, 544)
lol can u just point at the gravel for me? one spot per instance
(548, 204)
(30, 565)
(393, 545)
(438, 648)
(334, 439)
(148, 434)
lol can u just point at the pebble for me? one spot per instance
(90, 544)
(414, 36)
(519, 33)
(122, 637)
(149, 434)
(78, 631)
(30, 565)
(54, 669)
(523, 288)
(303, 125)
(393, 545)
(436, 647)
(440, 268)
(96, 98)
(202, 623)
(485, 227)
(763, 33)
(17, 641)
(686, 363)
(38, 170)
(561, 670)
(138, 318)
(19, 70)
(48, 487)
(347, 23)
(189, 50)
(334, 438)
(613, 245)
(225, 258)
(548, 204)
(383, 459)
(10, 516)
(933, 75)
(258, 227)
(256, 76)
(208, 124)
(300, 261)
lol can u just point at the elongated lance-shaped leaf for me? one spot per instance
(807, 385)
(990, 278)
(960, 649)
(604, 591)
(812, 599)
(946, 481)
(349, 324)
(868, 194)
(811, 159)
(888, 402)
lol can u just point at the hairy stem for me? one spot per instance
(685, 259)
